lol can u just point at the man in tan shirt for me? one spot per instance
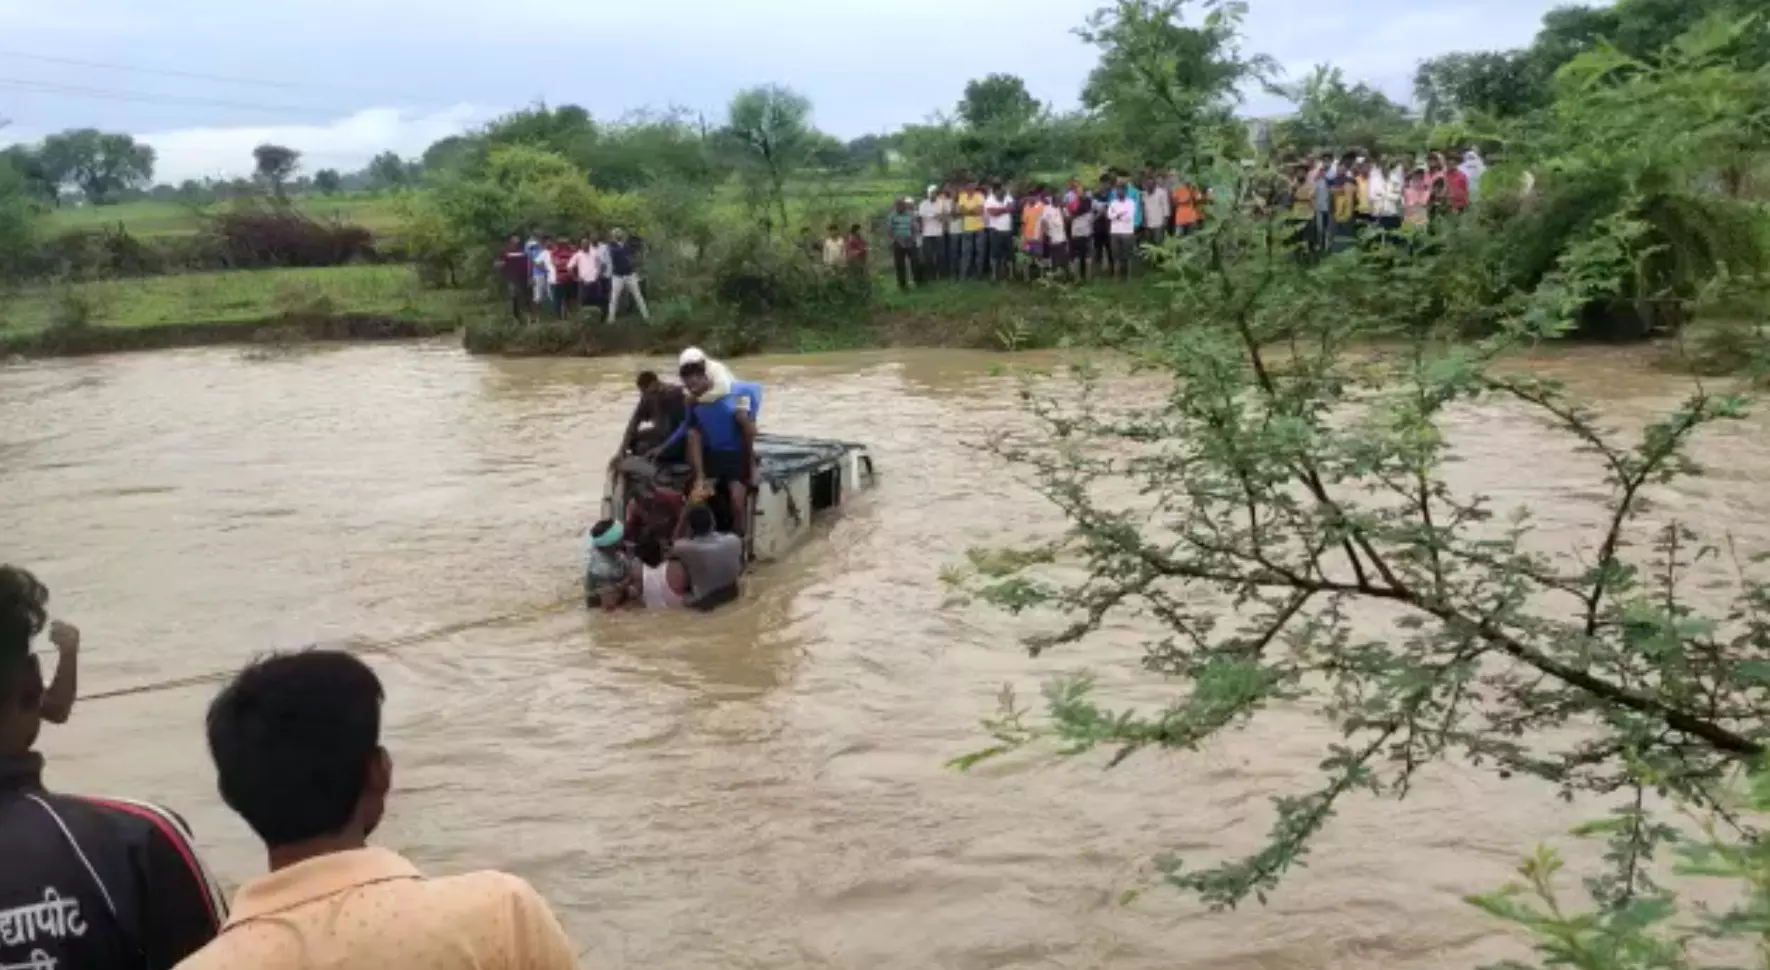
(296, 742)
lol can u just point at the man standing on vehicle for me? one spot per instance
(722, 441)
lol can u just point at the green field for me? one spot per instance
(229, 297)
(148, 218)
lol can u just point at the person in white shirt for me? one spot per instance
(998, 220)
(1121, 215)
(932, 215)
(835, 248)
(1081, 233)
(584, 266)
(1158, 213)
(1053, 228)
(1383, 198)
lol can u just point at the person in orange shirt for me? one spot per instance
(1187, 216)
(296, 740)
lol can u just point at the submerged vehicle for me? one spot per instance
(803, 481)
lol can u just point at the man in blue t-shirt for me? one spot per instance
(722, 441)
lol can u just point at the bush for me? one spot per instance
(259, 236)
(755, 276)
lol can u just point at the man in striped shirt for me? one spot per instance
(86, 883)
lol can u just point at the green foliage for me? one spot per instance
(520, 190)
(1274, 501)
(1164, 88)
(328, 181)
(1638, 924)
(1331, 113)
(274, 164)
(1499, 84)
(18, 220)
(770, 134)
(100, 164)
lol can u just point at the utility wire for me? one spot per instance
(108, 94)
(222, 78)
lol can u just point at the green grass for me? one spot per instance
(148, 218)
(237, 296)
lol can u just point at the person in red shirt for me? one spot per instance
(565, 288)
(857, 250)
(1456, 188)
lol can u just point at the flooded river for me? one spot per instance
(763, 788)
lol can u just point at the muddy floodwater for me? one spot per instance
(763, 788)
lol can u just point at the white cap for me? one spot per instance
(693, 355)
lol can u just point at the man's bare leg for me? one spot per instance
(739, 495)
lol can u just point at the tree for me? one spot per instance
(449, 153)
(1272, 500)
(1334, 114)
(274, 164)
(1163, 86)
(1500, 84)
(770, 128)
(37, 181)
(100, 164)
(328, 181)
(17, 219)
(388, 171)
(998, 100)
(459, 224)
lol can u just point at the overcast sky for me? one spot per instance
(356, 77)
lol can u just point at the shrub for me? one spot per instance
(257, 236)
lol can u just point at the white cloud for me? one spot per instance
(345, 144)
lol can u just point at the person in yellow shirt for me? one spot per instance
(970, 206)
(296, 740)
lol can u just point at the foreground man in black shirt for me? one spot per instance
(85, 883)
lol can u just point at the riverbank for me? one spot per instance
(384, 302)
(195, 309)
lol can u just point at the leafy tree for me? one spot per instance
(672, 146)
(1331, 113)
(388, 171)
(17, 219)
(274, 164)
(1163, 86)
(36, 179)
(1641, 143)
(770, 129)
(449, 153)
(328, 181)
(998, 101)
(1273, 503)
(100, 164)
(459, 224)
(1500, 84)
(1643, 930)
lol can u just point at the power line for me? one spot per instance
(222, 78)
(107, 94)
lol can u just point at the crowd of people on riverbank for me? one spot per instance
(561, 277)
(114, 884)
(972, 230)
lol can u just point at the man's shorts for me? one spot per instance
(725, 466)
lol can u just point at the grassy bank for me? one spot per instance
(148, 218)
(360, 302)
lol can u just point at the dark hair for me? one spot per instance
(293, 738)
(855, 229)
(694, 368)
(598, 530)
(648, 379)
(700, 520)
(650, 552)
(23, 612)
(835, 227)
